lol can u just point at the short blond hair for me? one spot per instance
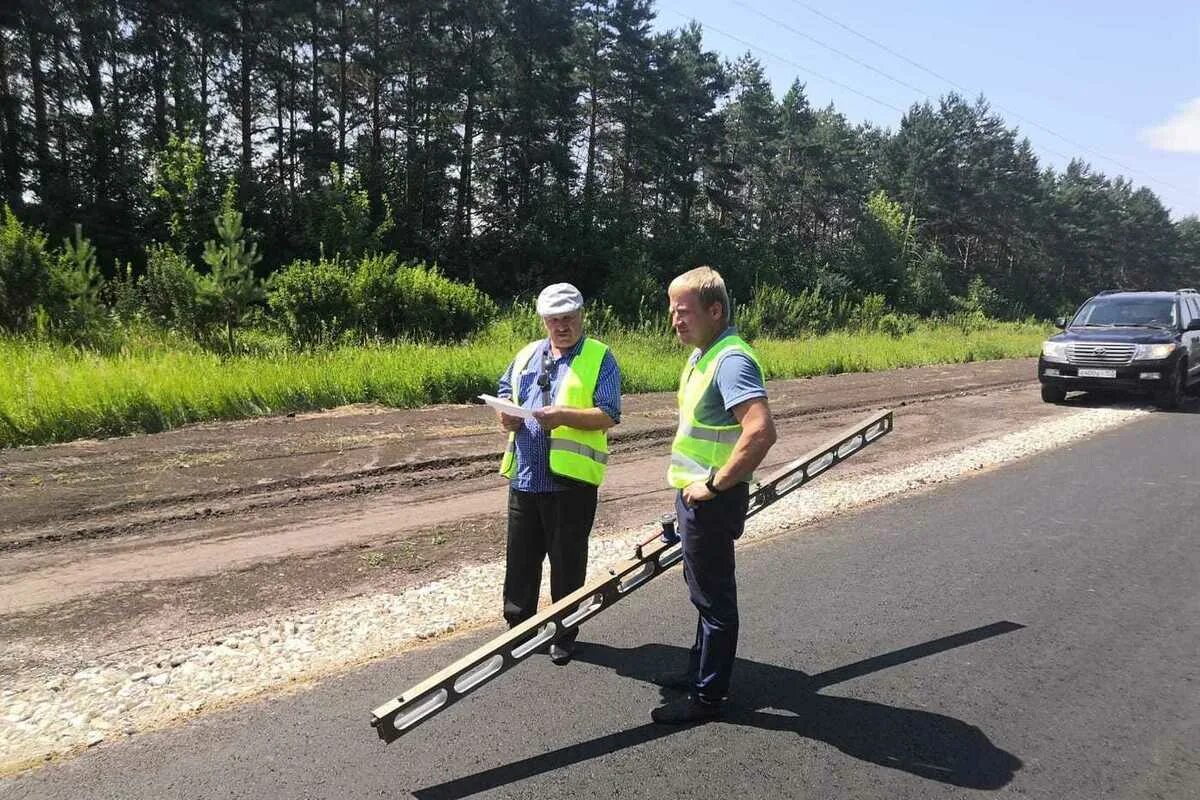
(708, 284)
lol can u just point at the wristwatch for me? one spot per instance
(710, 484)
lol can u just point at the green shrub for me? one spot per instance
(772, 309)
(170, 291)
(601, 319)
(24, 271)
(121, 294)
(376, 298)
(897, 325)
(73, 300)
(417, 302)
(777, 313)
(313, 301)
(976, 311)
(439, 308)
(982, 299)
(867, 314)
(969, 320)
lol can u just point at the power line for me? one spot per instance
(864, 64)
(878, 44)
(1041, 148)
(785, 60)
(966, 91)
(831, 48)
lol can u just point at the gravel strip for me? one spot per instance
(43, 716)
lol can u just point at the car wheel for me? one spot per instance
(1053, 394)
(1172, 394)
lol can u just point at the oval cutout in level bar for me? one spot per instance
(819, 465)
(478, 674)
(584, 610)
(876, 430)
(671, 555)
(421, 710)
(849, 446)
(635, 576)
(790, 482)
(544, 634)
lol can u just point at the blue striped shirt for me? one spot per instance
(533, 442)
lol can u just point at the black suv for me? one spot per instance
(1145, 342)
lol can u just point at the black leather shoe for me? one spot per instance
(686, 710)
(561, 653)
(675, 681)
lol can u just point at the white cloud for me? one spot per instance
(1180, 133)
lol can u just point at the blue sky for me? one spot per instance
(1120, 80)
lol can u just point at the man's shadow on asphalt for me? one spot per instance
(922, 743)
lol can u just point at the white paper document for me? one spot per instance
(512, 409)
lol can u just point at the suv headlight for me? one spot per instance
(1054, 351)
(1153, 352)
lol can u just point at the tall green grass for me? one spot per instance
(54, 393)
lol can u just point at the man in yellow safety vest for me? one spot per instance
(725, 430)
(556, 459)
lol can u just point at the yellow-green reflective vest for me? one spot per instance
(574, 453)
(699, 448)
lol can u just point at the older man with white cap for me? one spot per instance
(556, 460)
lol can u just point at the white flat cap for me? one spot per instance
(558, 298)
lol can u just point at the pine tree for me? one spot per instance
(230, 288)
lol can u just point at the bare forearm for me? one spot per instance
(748, 453)
(758, 435)
(586, 419)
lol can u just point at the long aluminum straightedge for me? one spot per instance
(400, 715)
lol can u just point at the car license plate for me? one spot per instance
(1097, 373)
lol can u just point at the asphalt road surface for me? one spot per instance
(1033, 631)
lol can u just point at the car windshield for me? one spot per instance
(1127, 311)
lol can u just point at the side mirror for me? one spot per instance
(1061, 322)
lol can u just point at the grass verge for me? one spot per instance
(55, 393)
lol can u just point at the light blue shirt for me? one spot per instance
(737, 380)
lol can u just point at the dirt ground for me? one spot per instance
(107, 545)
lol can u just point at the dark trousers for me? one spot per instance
(541, 524)
(708, 531)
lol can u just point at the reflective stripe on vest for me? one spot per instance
(721, 435)
(581, 449)
(699, 448)
(577, 454)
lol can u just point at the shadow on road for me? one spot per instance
(922, 743)
(1094, 399)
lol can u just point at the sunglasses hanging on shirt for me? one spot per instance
(543, 380)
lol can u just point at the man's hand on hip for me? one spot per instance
(696, 493)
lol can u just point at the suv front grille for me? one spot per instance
(1100, 354)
